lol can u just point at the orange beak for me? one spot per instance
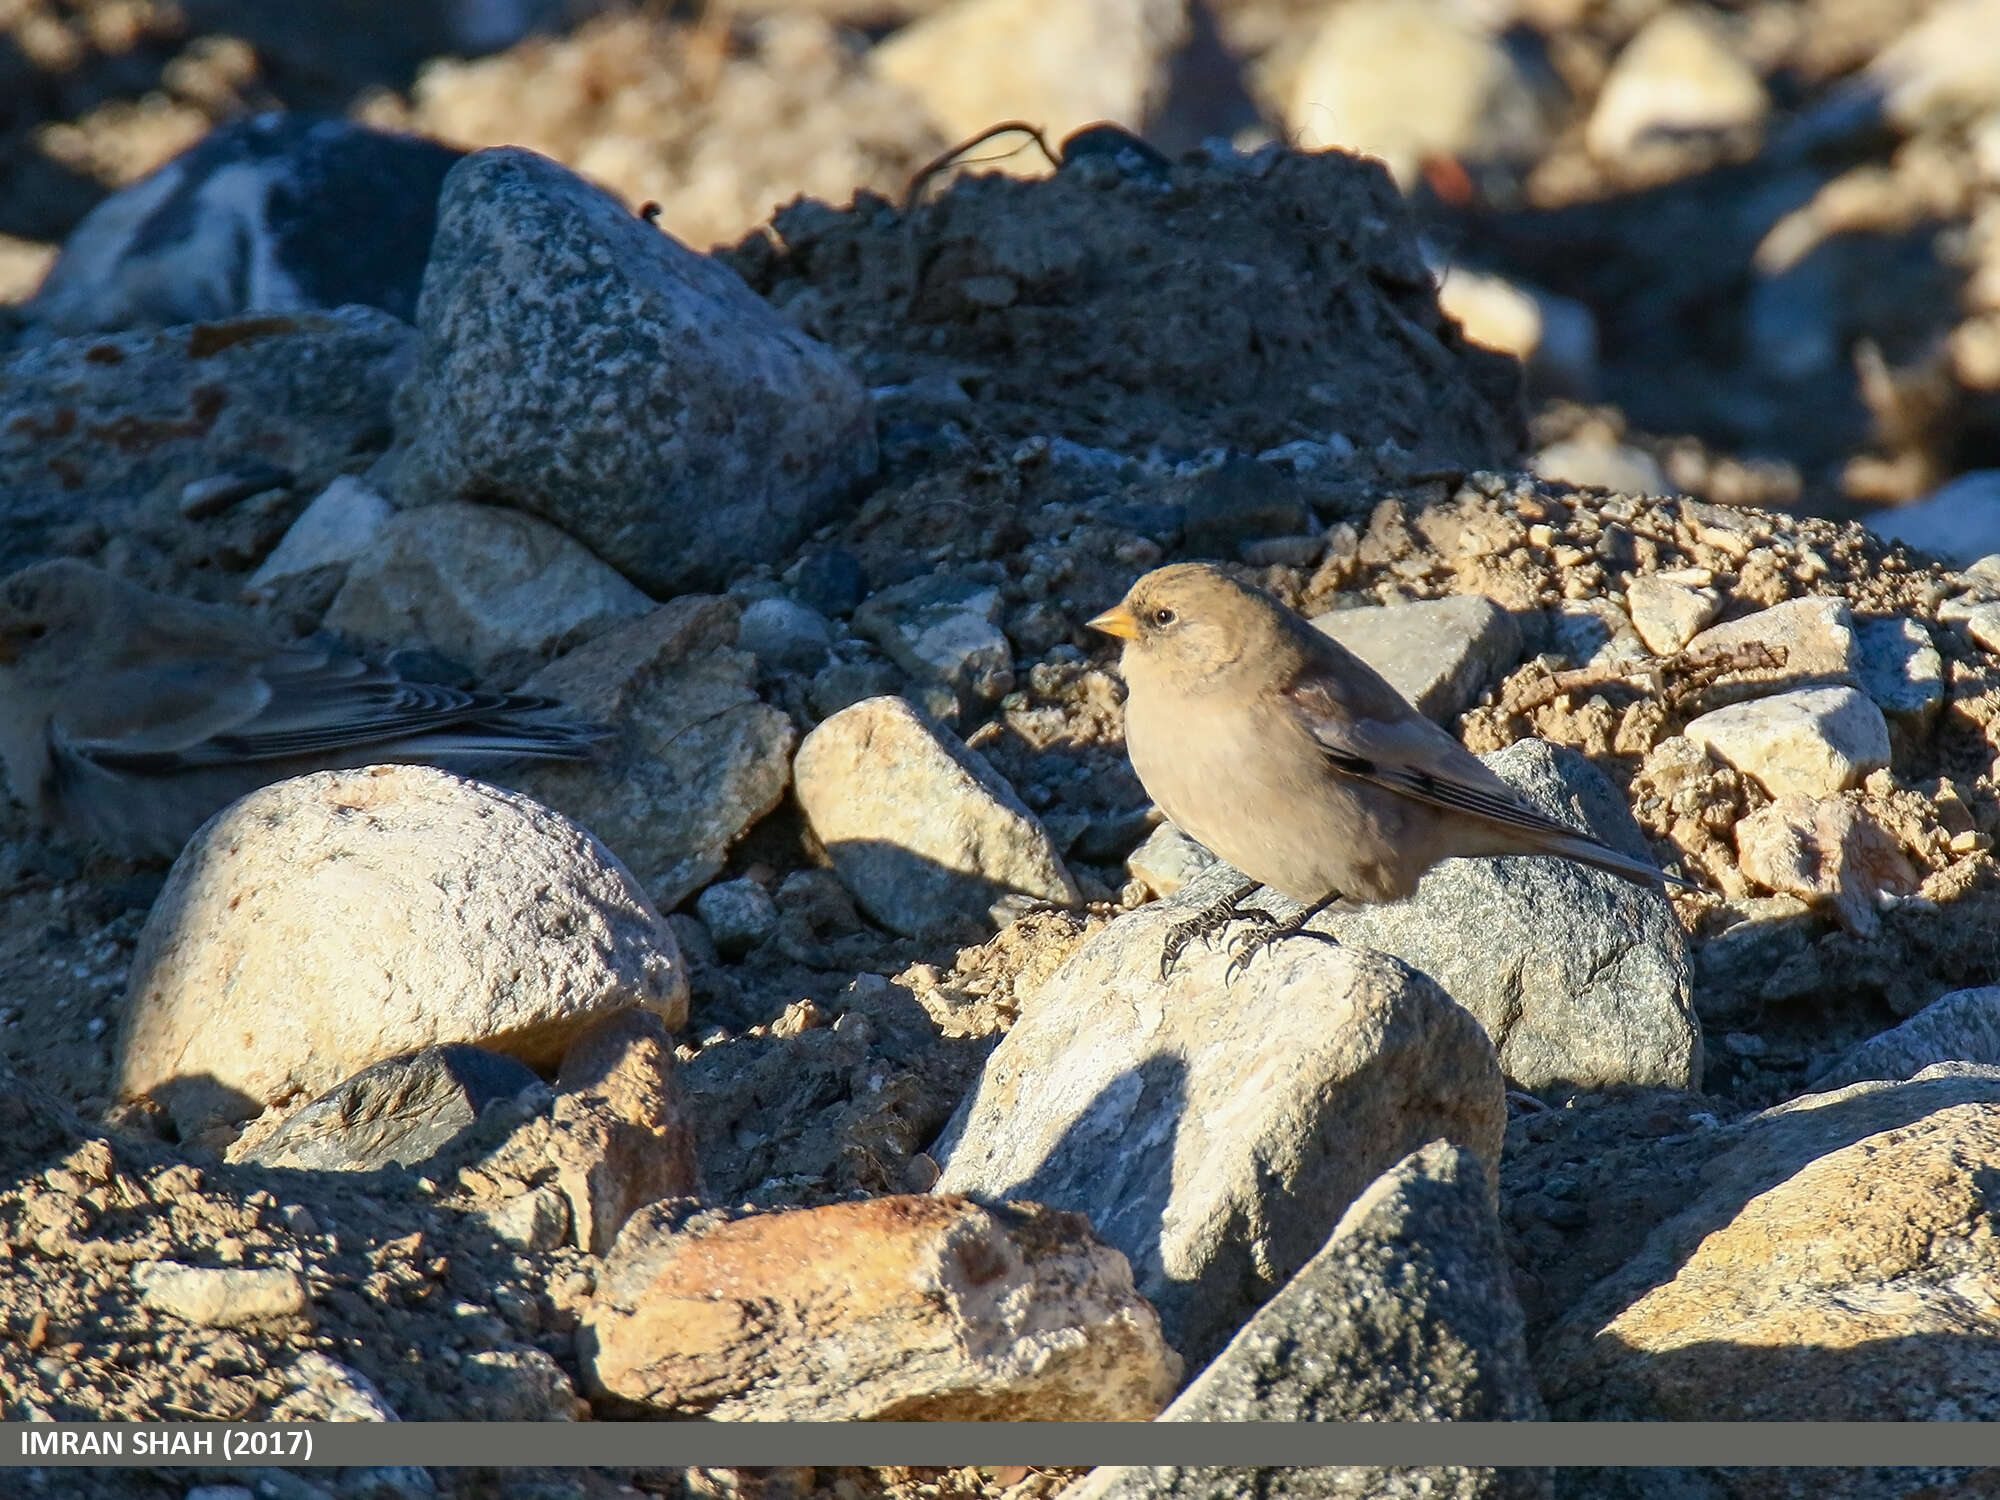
(1117, 621)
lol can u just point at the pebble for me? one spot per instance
(1166, 861)
(220, 1298)
(921, 829)
(739, 915)
(783, 634)
(944, 630)
(1680, 76)
(1814, 742)
(1441, 654)
(1816, 635)
(1901, 671)
(1596, 464)
(1668, 615)
(1825, 852)
(339, 525)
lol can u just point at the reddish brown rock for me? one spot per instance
(894, 1309)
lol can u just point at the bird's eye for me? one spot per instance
(1164, 617)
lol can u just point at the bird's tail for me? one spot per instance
(1603, 857)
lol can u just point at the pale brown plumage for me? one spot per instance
(1291, 759)
(127, 717)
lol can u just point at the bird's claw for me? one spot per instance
(1205, 924)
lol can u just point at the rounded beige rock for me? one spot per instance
(324, 923)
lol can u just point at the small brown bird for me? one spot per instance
(1290, 758)
(127, 717)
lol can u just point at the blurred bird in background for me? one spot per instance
(127, 718)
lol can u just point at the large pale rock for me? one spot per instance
(1216, 1133)
(695, 757)
(922, 830)
(1811, 743)
(892, 1309)
(1370, 58)
(1679, 77)
(1407, 1315)
(1827, 852)
(1597, 463)
(1961, 1027)
(1068, 66)
(1441, 654)
(495, 589)
(1837, 1268)
(581, 365)
(1415, 1264)
(1581, 978)
(218, 1297)
(325, 923)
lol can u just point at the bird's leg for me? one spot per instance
(1209, 920)
(1251, 944)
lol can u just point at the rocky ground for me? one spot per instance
(806, 1054)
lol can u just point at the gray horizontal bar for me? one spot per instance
(754, 1445)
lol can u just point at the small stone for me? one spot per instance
(1825, 852)
(325, 1390)
(695, 758)
(1238, 503)
(1366, 61)
(896, 1308)
(496, 589)
(216, 1298)
(537, 1220)
(843, 684)
(1667, 615)
(1901, 671)
(1167, 860)
(924, 833)
(1815, 742)
(1815, 636)
(739, 915)
(946, 630)
(830, 580)
(1679, 77)
(403, 1110)
(782, 634)
(340, 524)
(1441, 654)
(1292, 1088)
(1963, 1026)
(1983, 625)
(1594, 464)
(619, 1133)
(517, 1384)
(202, 498)
(324, 923)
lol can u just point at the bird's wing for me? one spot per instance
(295, 703)
(1411, 755)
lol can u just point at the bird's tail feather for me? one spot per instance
(1603, 857)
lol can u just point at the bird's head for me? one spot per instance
(46, 612)
(1190, 623)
